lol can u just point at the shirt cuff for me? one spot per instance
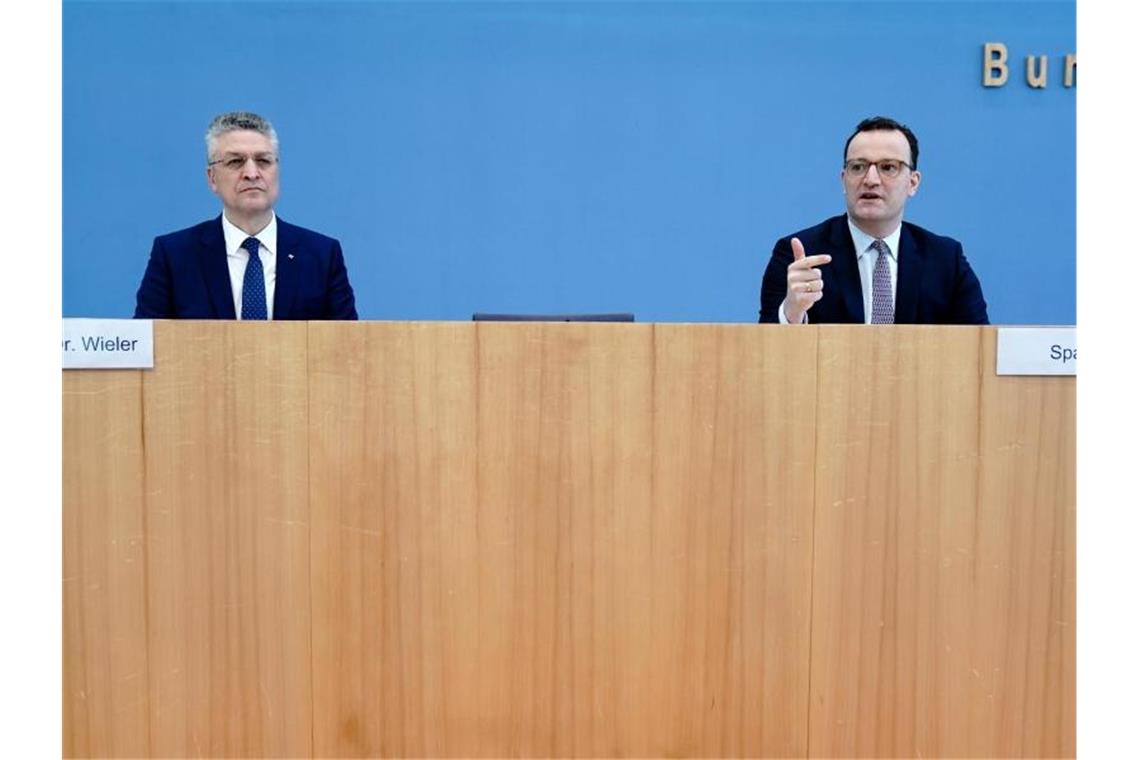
(784, 319)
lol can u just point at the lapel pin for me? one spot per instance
(290, 255)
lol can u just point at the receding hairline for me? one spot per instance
(238, 121)
(899, 132)
(886, 124)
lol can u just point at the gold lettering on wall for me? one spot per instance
(1036, 70)
(994, 68)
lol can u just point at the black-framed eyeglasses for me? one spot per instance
(235, 162)
(888, 167)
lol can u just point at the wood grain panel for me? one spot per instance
(395, 539)
(920, 500)
(226, 426)
(730, 541)
(559, 540)
(1023, 697)
(105, 666)
(896, 504)
(444, 539)
(564, 486)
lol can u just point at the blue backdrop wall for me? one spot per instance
(568, 157)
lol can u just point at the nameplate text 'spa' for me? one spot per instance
(1037, 351)
(108, 344)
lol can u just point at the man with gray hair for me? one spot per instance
(246, 263)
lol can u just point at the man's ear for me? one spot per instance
(915, 179)
(210, 179)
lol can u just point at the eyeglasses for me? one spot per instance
(235, 162)
(888, 167)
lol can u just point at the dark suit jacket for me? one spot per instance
(187, 276)
(935, 283)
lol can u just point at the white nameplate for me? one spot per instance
(108, 344)
(1037, 351)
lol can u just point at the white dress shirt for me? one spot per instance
(237, 258)
(867, 257)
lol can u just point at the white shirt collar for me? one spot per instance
(863, 241)
(235, 236)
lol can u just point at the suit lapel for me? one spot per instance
(285, 290)
(216, 271)
(910, 277)
(846, 268)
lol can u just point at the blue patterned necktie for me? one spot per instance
(882, 300)
(253, 284)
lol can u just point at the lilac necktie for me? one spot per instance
(253, 284)
(882, 300)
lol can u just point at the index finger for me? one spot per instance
(811, 262)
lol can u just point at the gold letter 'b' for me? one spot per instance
(994, 69)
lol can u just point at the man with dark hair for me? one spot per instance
(246, 263)
(877, 269)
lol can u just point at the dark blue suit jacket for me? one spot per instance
(187, 276)
(935, 283)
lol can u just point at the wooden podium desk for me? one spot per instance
(568, 540)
